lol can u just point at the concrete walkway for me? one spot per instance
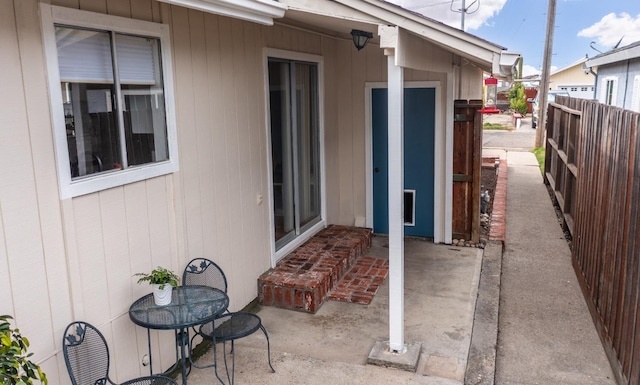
(546, 335)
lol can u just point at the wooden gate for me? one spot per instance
(467, 154)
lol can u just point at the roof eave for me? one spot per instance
(460, 42)
(615, 56)
(257, 11)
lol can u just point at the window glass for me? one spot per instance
(114, 109)
(295, 147)
(609, 92)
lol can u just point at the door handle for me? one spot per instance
(376, 169)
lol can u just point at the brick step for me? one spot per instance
(302, 280)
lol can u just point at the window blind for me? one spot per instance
(84, 56)
(136, 63)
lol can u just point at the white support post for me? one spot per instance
(396, 203)
(448, 171)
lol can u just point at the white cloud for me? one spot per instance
(528, 70)
(608, 31)
(441, 10)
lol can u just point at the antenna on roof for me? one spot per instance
(618, 43)
(465, 10)
(594, 48)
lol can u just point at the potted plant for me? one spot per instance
(163, 281)
(15, 366)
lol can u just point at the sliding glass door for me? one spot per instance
(295, 147)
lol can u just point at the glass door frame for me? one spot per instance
(308, 230)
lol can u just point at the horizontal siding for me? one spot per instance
(572, 76)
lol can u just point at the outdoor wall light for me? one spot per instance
(360, 38)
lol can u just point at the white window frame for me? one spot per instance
(76, 18)
(635, 98)
(605, 90)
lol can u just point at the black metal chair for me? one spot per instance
(87, 357)
(229, 326)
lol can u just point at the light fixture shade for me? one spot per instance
(360, 38)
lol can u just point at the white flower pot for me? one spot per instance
(162, 297)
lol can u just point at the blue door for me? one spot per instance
(419, 135)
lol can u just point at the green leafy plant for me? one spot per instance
(518, 99)
(495, 126)
(15, 366)
(160, 276)
(539, 153)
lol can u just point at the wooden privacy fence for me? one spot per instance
(592, 163)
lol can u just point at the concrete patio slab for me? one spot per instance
(381, 355)
(333, 345)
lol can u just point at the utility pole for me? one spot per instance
(546, 68)
(464, 10)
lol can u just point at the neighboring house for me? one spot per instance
(145, 133)
(618, 76)
(574, 79)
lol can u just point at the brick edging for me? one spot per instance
(498, 229)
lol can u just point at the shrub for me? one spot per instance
(518, 99)
(15, 366)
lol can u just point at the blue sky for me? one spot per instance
(520, 25)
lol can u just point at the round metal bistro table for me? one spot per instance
(190, 306)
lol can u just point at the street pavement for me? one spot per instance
(519, 139)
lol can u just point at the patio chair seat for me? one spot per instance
(228, 326)
(232, 326)
(150, 380)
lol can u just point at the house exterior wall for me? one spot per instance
(75, 259)
(624, 74)
(574, 77)
(470, 83)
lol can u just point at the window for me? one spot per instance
(112, 105)
(583, 89)
(295, 148)
(574, 89)
(609, 90)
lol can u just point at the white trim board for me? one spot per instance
(440, 168)
(257, 11)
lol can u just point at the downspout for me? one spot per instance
(626, 86)
(595, 75)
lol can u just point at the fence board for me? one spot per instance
(592, 163)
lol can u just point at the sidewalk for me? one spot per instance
(546, 335)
